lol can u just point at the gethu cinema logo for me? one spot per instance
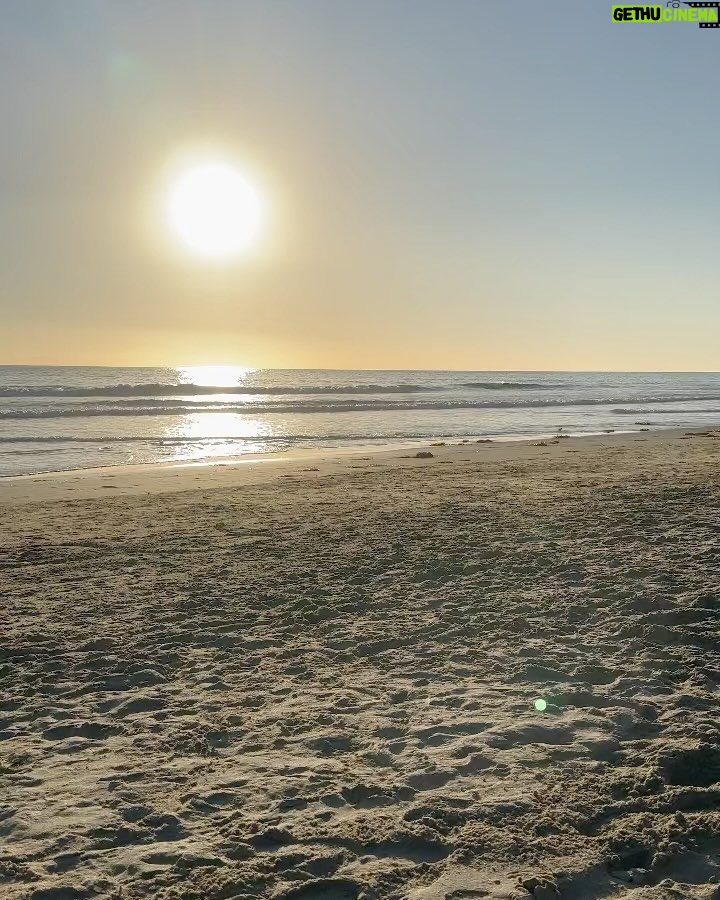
(705, 14)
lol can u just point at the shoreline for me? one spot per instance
(203, 474)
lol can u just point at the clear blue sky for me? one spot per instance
(468, 184)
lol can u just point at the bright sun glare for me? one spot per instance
(215, 376)
(215, 210)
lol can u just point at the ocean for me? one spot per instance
(63, 417)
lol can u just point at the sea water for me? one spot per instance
(58, 417)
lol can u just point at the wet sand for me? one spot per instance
(317, 677)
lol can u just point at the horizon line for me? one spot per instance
(251, 368)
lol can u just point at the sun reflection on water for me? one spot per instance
(210, 376)
(202, 435)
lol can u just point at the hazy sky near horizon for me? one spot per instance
(467, 184)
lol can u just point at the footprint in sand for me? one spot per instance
(529, 734)
(93, 731)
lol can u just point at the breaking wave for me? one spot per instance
(178, 407)
(665, 412)
(188, 390)
(509, 385)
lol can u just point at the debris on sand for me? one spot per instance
(424, 454)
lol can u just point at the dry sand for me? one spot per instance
(316, 679)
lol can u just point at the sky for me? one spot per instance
(467, 184)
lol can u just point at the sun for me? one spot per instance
(215, 210)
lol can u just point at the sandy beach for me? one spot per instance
(493, 672)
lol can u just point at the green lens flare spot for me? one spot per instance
(540, 705)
